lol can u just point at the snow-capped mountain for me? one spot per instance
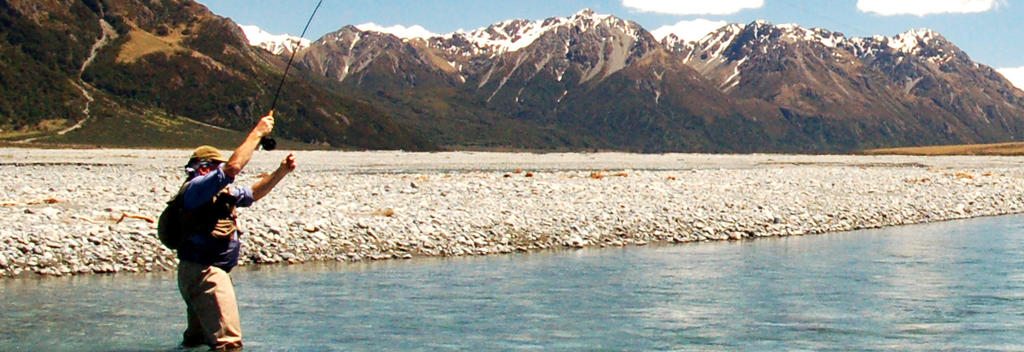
(897, 81)
(545, 70)
(783, 85)
(724, 54)
(514, 35)
(275, 43)
(468, 54)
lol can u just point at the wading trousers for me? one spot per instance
(212, 311)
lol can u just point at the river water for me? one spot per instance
(945, 286)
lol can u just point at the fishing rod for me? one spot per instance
(268, 143)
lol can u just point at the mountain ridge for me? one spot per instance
(814, 89)
(581, 82)
(276, 44)
(171, 60)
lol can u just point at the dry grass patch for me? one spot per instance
(141, 43)
(1011, 148)
(30, 202)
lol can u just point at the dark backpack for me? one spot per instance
(170, 227)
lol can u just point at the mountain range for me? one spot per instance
(583, 82)
(162, 73)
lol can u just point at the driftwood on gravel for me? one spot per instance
(9, 203)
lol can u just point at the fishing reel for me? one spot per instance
(268, 143)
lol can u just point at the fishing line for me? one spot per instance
(268, 143)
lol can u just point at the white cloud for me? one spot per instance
(926, 7)
(693, 7)
(416, 31)
(1014, 74)
(689, 30)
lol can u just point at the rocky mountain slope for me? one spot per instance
(170, 73)
(912, 89)
(142, 65)
(597, 81)
(530, 84)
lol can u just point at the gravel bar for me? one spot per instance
(71, 212)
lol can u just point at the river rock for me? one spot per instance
(331, 208)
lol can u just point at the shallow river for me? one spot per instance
(947, 286)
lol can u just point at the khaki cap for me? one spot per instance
(208, 153)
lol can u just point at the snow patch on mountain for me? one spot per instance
(511, 35)
(720, 57)
(514, 35)
(825, 37)
(275, 43)
(720, 40)
(917, 42)
(911, 41)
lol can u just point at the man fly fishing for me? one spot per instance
(208, 241)
(210, 244)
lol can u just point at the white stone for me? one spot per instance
(474, 210)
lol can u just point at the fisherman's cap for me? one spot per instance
(208, 153)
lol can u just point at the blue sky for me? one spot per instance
(988, 30)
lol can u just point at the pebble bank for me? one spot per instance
(71, 212)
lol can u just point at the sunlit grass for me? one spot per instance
(142, 43)
(1010, 148)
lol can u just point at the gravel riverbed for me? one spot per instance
(70, 212)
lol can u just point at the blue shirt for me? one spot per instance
(204, 248)
(202, 188)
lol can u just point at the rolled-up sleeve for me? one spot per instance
(202, 188)
(244, 196)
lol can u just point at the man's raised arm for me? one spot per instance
(244, 151)
(267, 183)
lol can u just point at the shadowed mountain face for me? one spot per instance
(140, 58)
(587, 81)
(597, 81)
(915, 88)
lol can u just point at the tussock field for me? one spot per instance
(1007, 149)
(71, 212)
